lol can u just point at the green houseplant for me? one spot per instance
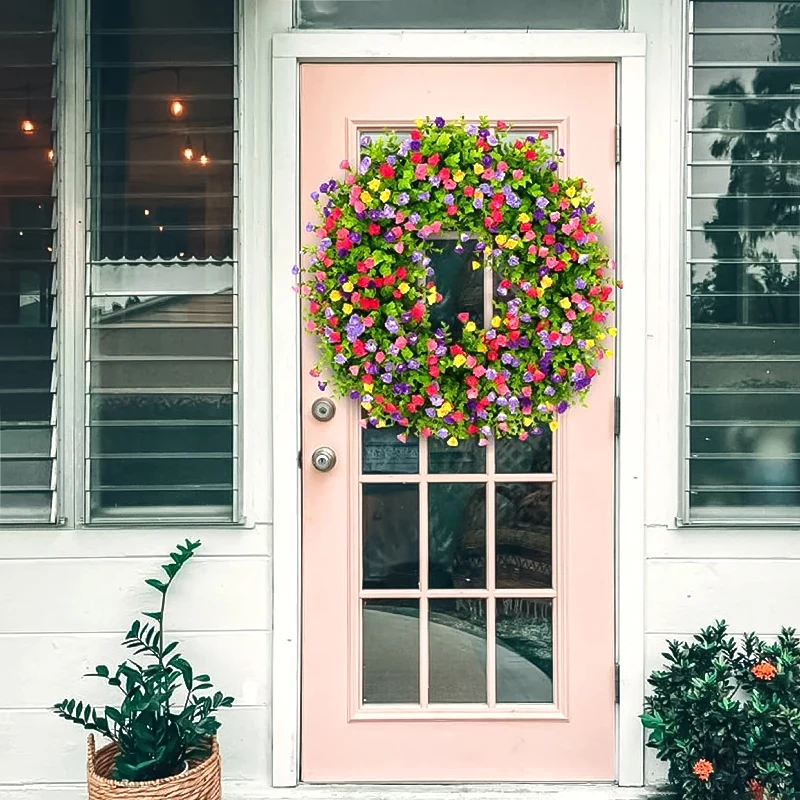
(166, 721)
(726, 716)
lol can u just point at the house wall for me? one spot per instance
(67, 597)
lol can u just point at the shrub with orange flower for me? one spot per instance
(756, 789)
(764, 671)
(703, 769)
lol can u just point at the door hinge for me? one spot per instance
(617, 415)
(299, 459)
(618, 144)
(616, 683)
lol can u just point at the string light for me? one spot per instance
(204, 157)
(176, 108)
(147, 212)
(51, 155)
(188, 150)
(27, 127)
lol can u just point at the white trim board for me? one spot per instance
(292, 49)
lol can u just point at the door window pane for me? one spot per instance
(28, 265)
(457, 649)
(524, 650)
(459, 14)
(390, 651)
(162, 289)
(743, 375)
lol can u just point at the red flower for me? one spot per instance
(374, 229)
(386, 170)
(415, 134)
(434, 159)
(469, 191)
(703, 769)
(452, 210)
(416, 158)
(764, 671)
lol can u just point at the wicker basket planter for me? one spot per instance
(202, 781)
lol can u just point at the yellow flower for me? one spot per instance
(431, 298)
(470, 326)
(419, 122)
(512, 243)
(452, 442)
(539, 292)
(385, 195)
(381, 423)
(546, 282)
(564, 302)
(576, 201)
(476, 265)
(612, 331)
(501, 239)
(600, 336)
(527, 421)
(374, 184)
(347, 308)
(458, 176)
(366, 197)
(366, 406)
(524, 218)
(570, 192)
(336, 295)
(609, 353)
(590, 342)
(460, 360)
(444, 409)
(403, 288)
(478, 169)
(482, 348)
(478, 194)
(347, 286)
(553, 426)
(496, 321)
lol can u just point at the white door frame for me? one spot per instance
(289, 51)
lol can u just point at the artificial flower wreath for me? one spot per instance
(370, 286)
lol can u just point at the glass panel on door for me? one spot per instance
(457, 551)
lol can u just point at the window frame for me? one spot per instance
(685, 518)
(74, 249)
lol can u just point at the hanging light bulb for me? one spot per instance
(188, 150)
(176, 108)
(27, 126)
(51, 152)
(204, 157)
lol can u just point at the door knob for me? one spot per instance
(323, 459)
(323, 409)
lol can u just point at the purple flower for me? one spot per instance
(391, 325)
(315, 196)
(402, 199)
(363, 165)
(513, 201)
(477, 203)
(439, 122)
(492, 140)
(355, 237)
(583, 258)
(354, 395)
(325, 243)
(340, 359)
(386, 378)
(525, 318)
(414, 217)
(566, 328)
(513, 261)
(354, 328)
(435, 180)
(431, 412)
(391, 160)
(416, 256)
(415, 144)
(553, 166)
(544, 312)
(580, 283)
(449, 199)
(295, 270)
(542, 202)
(487, 160)
(366, 141)
(424, 195)
(309, 227)
(471, 129)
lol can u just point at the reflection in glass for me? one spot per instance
(383, 454)
(460, 285)
(457, 647)
(534, 455)
(390, 543)
(456, 535)
(524, 650)
(466, 458)
(390, 651)
(524, 535)
(745, 314)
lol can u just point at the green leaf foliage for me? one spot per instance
(733, 705)
(165, 718)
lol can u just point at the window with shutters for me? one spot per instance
(743, 245)
(28, 263)
(161, 410)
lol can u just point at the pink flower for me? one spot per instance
(421, 172)
(399, 247)
(517, 174)
(344, 164)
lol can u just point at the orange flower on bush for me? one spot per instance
(755, 789)
(703, 769)
(764, 671)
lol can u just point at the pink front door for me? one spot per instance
(458, 603)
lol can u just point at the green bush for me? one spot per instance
(726, 716)
(163, 720)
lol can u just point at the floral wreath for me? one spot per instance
(370, 289)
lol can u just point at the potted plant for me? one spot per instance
(163, 734)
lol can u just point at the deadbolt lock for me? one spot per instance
(323, 409)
